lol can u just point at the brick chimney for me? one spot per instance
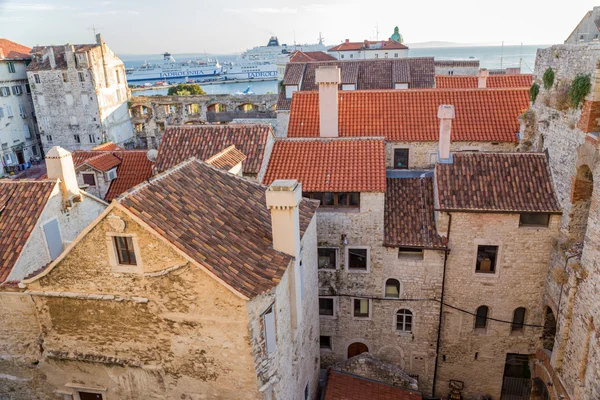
(328, 79)
(59, 165)
(446, 115)
(50, 55)
(70, 55)
(482, 78)
(283, 198)
(347, 41)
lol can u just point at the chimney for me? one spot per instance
(99, 39)
(59, 165)
(446, 115)
(347, 41)
(328, 79)
(283, 198)
(50, 54)
(482, 78)
(70, 55)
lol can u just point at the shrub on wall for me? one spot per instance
(534, 90)
(548, 78)
(580, 87)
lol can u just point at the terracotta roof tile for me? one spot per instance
(496, 182)
(369, 44)
(13, 50)
(411, 115)
(457, 63)
(306, 56)
(330, 165)
(21, 204)
(103, 162)
(493, 81)
(203, 141)
(108, 146)
(134, 169)
(409, 214)
(344, 386)
(218, 219)
(378, 74)
(226, 159)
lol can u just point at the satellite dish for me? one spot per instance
(151, 154)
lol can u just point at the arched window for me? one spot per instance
(392, 288)
(518, 320)
(404, 320)
(481, 319)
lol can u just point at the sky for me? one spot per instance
(229, 26)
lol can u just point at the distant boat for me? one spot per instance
(246, 91)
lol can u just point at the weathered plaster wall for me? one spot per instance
(71, 222)
(102, 184)
(283, 121)
(519, 281)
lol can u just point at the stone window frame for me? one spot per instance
(395, 322)
(347, 260)
(330, 348)
(335, 307)
(337, 258)
(113, 258)
(499, 254)
(92, 174)
(401, 289)
(75, 388)
(370, 309)
(408, 156)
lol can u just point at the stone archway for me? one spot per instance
(549, 332)
(581, 198)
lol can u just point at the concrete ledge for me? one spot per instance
(87, 296)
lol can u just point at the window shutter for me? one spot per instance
(27, 131)
(9, 111)
(269, 323)
(1, 112)
(21, 110)
(53, 239)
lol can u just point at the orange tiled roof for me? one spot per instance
(108, 146)
(219, 220)
(134, 169)
(103, 162)
(457, 63)
(330, 165)
(493, 81)
(496, 182)
(227, 159)
(369, 44)
(306, 56)
(21, 204)
(13, 50)
(203, 141)
(409, 214)
(411, 115)
(344, 386)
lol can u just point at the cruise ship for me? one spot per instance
(273, 49)
(170, 68)
(250, 69)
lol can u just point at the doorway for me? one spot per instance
(357, 348)
(516, 383)
(20, 156)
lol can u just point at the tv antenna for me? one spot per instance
(321, 38)
(94, 30)
(377, 31)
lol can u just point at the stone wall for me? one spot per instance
(518, 281)
(371, 367)
(413, 351)
(152, 114)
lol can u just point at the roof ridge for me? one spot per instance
(414, 90)
(330, 139)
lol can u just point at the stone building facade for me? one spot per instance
(152, 115)
(19, 137)
(80, 96)
(178, 324)
(587, 30)
(568, 356)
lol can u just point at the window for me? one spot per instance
(27, 88)
(89, 179)
(306, 392)
(392, 288)
(125, 251)
(385, 55)
(358, 259)
(400, 158)
(269, 329)
(92, 138)
(351, 55)
(326, 306)
(65, 76)
(118, 75)
(327, 257)
(325, 342)
(36, 78)
(11, 67)
(404, 320)
(361, 308)
(90, 396)
(335, 200)
(342, 56)
(5, 91)
(534, 219)
(140, 128)
(26, 132)
(17, 90)
(410, 253)
(49, 138)
(486, 259)
(395, 55)
(81, 77)
(481, 318)
(77, 138)
(9, 112)
(376, 55)
(22, 110)
(518, 320)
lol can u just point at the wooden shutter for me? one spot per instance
(53, 238)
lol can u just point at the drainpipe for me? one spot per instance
(439, 332)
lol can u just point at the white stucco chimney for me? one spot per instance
(446, 115)
(482, 76)
(59, 165)
(283, 198)
(328, 79)
(50, 54)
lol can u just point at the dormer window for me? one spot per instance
(335, 200)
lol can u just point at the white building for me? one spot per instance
(80, 95)
(18, 135)
(369, 49)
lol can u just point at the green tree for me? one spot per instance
(185, 89)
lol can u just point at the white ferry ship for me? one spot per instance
(273, 49)
(170, 68)
(250, 69)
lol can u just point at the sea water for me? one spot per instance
(491, 57)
